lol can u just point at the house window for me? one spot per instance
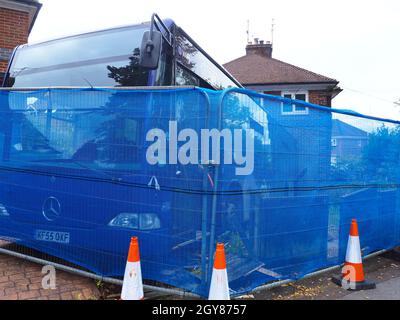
(334, 142)
(295, 108)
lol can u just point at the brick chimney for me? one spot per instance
(16, 21)
(259, 47)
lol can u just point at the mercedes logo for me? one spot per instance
(51, 209)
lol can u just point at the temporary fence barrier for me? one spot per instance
(277, 180)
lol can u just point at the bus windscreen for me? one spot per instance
(105, 58)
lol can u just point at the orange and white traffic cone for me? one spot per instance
(132, 287)
(352, 277)
(219, 288)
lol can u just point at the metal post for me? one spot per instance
(215, 197)
(213, 223)
(204, 231)
(204, 215)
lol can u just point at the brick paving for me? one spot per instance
(22, 280)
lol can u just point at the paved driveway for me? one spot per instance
(22, 280)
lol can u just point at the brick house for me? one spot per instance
(17, 18)
(305, 162)
(308, 130)
(259, 71)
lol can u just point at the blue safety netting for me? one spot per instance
(81, 171)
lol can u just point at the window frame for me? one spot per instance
(204, 81)
(293, 97)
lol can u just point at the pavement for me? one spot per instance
(386, 290)
(384, 270)
(22, 280)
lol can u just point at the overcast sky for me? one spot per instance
(354, 41)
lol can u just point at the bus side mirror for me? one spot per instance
(150, 51)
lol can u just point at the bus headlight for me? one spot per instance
(142, 221)
(125, 220)
(149, 221)
(3, 211)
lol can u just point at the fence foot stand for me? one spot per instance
(393, 254)
(353, 286)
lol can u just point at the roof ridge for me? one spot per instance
(302, 69)
(255, 68)
(234, 60)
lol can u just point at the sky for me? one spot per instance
(356, 42)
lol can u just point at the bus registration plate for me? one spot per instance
(52, 236)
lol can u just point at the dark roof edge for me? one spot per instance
(38, 6)
(31, 3)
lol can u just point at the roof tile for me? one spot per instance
(340, 128)
(257, 69)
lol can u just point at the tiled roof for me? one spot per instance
(340, 128)
(257, 69)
